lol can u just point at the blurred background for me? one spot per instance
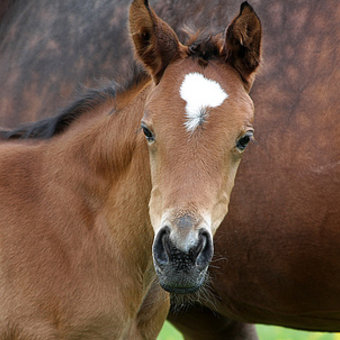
(264, 332)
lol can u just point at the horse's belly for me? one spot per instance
(314, 318)
(281, 276)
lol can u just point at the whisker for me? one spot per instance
(204, 296)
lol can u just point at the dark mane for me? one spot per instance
(49, 127)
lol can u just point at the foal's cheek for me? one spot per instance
(155, 204)
(155, 208)
(221, 206)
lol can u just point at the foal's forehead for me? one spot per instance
(215, 70)
(192, 93)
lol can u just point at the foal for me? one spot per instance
(76, 236)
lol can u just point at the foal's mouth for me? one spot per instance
(181, 280)
(180, 288)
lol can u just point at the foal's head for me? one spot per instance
(197, 123)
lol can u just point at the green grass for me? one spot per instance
(264, 332)
(169, 333)
(279, 333)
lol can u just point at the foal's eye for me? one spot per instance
(244, 140)
(148, 134)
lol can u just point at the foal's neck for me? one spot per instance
(107, 163)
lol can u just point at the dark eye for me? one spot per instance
(244, 140)
(148, 134)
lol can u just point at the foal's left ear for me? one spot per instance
(156, 43)
(243, 43)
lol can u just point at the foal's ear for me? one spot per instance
(156, 44)
(243, 43)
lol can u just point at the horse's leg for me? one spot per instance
(200, 323)
(151, 315)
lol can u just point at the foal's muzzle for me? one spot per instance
(181, 271)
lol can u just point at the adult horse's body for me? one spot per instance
(49, 48)
(278, 249)
(76, 232)
(277, 252)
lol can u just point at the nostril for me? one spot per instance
(206, 249)
(161, 246)
(195, 251)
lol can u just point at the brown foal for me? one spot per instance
(79, 211)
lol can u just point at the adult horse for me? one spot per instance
(277, 253)
(75, 255)
(278, 250)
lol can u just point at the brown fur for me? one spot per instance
(75, 254)
(69, 279)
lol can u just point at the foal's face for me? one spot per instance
(197, 123)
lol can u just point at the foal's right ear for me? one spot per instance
(155, 42)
